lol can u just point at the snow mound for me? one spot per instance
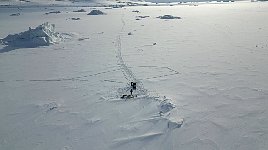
(16, 14)
(167, 111)
(168, 17)
(174, 123)
(166, 106)
(96, 12)
(43, 35)
(50, 106)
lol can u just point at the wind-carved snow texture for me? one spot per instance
(165, 105)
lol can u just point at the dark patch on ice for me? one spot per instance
(142, 16)
(50, 106)
(53, 107)
(16, 14)
(83, 38)
(117, 6)
(53, 12)
(80, 10)
(27, 1)
(168, 17)
(136, 11)
(75, 18)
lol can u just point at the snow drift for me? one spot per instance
(43, 35)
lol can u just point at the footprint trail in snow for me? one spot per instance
(166, 111)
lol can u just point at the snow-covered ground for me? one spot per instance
(202, 80)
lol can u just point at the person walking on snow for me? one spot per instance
(131, 91)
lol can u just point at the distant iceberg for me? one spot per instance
(96, 12)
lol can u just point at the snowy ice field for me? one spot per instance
(211, 64)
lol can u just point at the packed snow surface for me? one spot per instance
(202, 81)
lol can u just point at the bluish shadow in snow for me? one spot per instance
(7, 49)
(14, 46)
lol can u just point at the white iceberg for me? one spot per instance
(43, 35)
